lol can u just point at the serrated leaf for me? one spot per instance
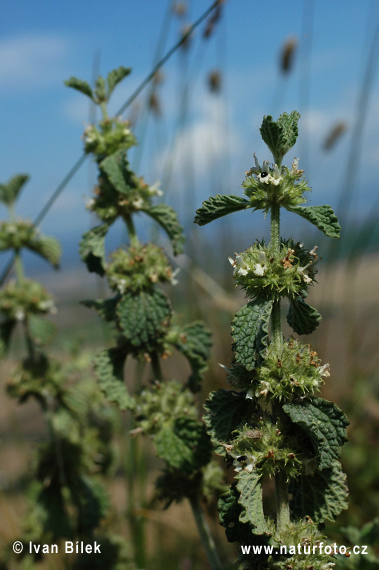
(116, 167)
(218, 206)
(323, 217)
(229, 512)
(184, 445)
(322, 496)
(40, 330)
(49, 248)
(167, 218)
(194, 342)
(303, 318)
(251, 500)
(280, 135)
(225, 410)
(92, 502)
(109, 368)
(250, 332)
(92, 249)
(144, 318)
(325, 425)
(9, 192)
(115, 76)
(106, 309)
(79, 85)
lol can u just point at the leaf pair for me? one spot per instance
(103, 88)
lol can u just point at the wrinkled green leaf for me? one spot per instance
(225, 410)
(79, 85)
(250, 332)
(92, 249)
(251, 500)
(303, 318)
(47, 247)
(115, 76)
(106, 309)
(184, 445)
(229, 513)
(280, 135)
(10, 191)
(92, 501)
(116, 167)
(218, 206)
(109, 368)
(322, 217)
(144, 318)
(194, 342)
(40, 330)
(322, 496)
(325, 425)
(167, 218)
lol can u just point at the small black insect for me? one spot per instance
(242, 458)
(264, 174)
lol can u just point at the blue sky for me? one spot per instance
(44, 42)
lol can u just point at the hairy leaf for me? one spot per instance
(106, 309)
(225, 410)
(322, 217)
(115, 76)
(280, 135)
(47, 247)
(321, 496)
(184, 445)
(10, 191)
(144, 318)
(109, 365)
(92, 502)
(167, 218)
(116, 167)
(229, 513)
(92, 249)
(40, 330)
(218, 206)
(324, 423)
(303, 318)
(79, 85)
(194, 342)
(250, 488)
(250, 332)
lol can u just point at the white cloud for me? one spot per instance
(31, 61)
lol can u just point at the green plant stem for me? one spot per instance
(205, 534)
(131, 231)
(281, 485)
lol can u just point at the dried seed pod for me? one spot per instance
(287, 55)
(334, 135)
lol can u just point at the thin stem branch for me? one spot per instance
(205, 534)
(134, 242)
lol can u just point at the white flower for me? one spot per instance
(237, 466)
(155, 190)
(240, 267)
(19, 315)
(263, 389)
(121, 285)
(324, 371)
(90, 203)
(302, 272)
(173, 279)
(249, 394)
(259, 270)
(138, 203)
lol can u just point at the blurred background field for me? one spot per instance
(197, 125)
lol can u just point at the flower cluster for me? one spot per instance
(293, 373)
(139, 268)
(112, 135)
(17, 234)
(260, 272)
(267, 184)
(19, 300)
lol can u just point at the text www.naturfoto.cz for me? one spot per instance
(303, 549)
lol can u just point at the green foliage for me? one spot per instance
(303, 318)
(281, 135)
(250, 332)
(321, 496)
(324, 423)
(224, 412)
(103, 90)
(144, 319)
(167, 218)
(250, 488)
(92, 249)
(80, 85)
(22, 234)
(229, 512)
(115, 76)
(219, 206)
(322, 217)
(40, 330)
(10, 191)
(109, 367)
